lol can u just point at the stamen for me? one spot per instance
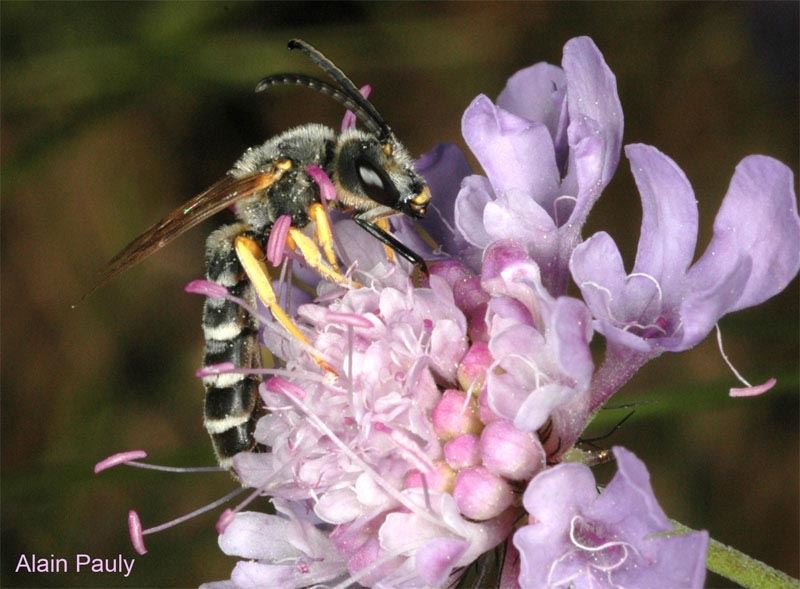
(135, 531)
(349, 319)
(327, 191)
(216, 369)
(224, 520)
(751, 390)
(212, 289)
(129, 459)
(207, 289)
(117, 459)
(279, 385)
(276, 243)
(188, 516)
(349, 119)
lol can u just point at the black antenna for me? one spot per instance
(323, 88)
(345, 84)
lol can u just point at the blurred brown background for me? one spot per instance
(113, 114)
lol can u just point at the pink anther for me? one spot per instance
(327, 190)
(117, 459)
(350, 319)
(207, 289)
(135, 530)
(276, 244)
(349, 119)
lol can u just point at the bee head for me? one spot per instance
(369, 172)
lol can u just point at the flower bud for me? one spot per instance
(454, 415)
(471, 371)
(509, 452)
(480, 495)
(463, 451)
(440, 479)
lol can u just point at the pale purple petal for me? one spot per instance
(758, 217)
(444, 167)
(435, 560)
(570, 334)
(476, 192)
(257, 535)
(614, 539)
(536, 93)
(701, 309)
(594, 106)
(514, 152)
(256, 575)
(598, 270)
(669, 217)
(513, 215)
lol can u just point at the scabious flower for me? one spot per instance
(667, 303)
(548, 146)
(577, 537)
(403, 432)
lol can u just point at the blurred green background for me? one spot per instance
(115, 113)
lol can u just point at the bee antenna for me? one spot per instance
(329, 90)
(347, 86)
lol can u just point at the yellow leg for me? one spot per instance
(251, 257)
(324, 233)
(297, 240)
(384, 224)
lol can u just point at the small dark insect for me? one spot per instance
(374, 179)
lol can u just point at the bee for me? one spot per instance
(374, 178)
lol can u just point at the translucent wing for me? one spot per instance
(206, 204)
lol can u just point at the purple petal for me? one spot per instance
(536, 93)
(758, 217)
(701, 309)
(257, 535)
(513, 215)
(435, 560)
(597, 269)
(592, 96)
(514, 152)
(444, 167)
(571, 334)
(669, 218)
(475, 194)
(256, 575)
(629, 497)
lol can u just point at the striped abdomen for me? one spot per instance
(232, 404)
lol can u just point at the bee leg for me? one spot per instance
(324, 233)
(386, 238)
(384, 226)
(251, 257)
(297, 240)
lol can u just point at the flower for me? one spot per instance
(540, 344)
(405, 421)
(618, 538)
(666, 304)
(548, 147)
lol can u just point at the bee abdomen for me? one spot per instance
(232, 404)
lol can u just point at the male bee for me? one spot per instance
(374, 178)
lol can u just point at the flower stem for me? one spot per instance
(740, 568)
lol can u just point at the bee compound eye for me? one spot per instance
(369, 178)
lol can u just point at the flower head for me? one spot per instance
(548, 147)
(618, 538)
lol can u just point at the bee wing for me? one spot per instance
(209, 202)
